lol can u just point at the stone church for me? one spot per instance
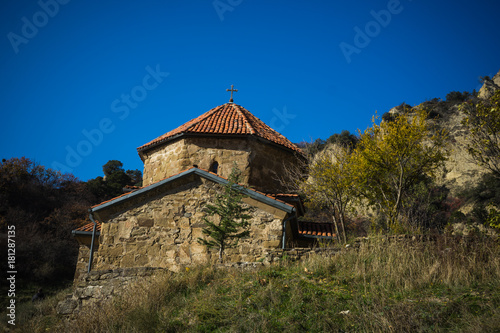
(157, 225)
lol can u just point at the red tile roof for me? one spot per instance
(90, 227)
(284, 195)
(316, 229)
(226, 119)
(112, 199)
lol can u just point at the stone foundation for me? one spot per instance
(91, 289)
(98, 286)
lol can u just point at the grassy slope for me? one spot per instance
(447, 285)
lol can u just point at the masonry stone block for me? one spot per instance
(128, 260)
(145, 222)
(141, 260)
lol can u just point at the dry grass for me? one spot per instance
(448, 285)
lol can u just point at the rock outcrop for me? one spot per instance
(460, 171)
(490, 86)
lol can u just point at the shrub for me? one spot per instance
(457, 96)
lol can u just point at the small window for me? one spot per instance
(214, 167)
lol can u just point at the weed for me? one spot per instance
(447, 284)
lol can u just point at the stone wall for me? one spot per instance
(257, 160)
(163, 231)
(91, 289)
(266, 163)
(82, 263)
(98, 286)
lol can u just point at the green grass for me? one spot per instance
(443, 286)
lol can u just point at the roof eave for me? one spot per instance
(207, 175)
(84, 233)
(316, 236)
(143, 149)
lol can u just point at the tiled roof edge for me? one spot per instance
(207, 175)
(240, 110)
(142, 149)
(84, 233)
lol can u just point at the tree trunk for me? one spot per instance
(221, 251)
(336, 225)
(395, 210)
(341, 217)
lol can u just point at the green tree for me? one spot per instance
(314, 147)
(392, 157)
(482, 120)
(331, 184)
(114, 180)
(111, 167)
(457, 96)
(135, 177)
(345, 138)
(232, 224)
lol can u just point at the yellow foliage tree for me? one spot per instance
(391, 157)
(330, 184)
(482, 119)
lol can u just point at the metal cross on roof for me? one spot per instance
(231, 90)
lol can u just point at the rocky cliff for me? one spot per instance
(489, 86)
(460, 171)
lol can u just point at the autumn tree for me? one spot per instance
(330, 184)
(229, 210)
(482, 120)
(391, 157)
(43, 205)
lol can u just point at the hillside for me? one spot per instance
(460, 171)
(435, 284)
(376, 186)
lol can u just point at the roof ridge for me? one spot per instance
(225, 119)
(183, 173)
(245, 117)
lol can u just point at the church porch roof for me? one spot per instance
(87, 229)
(259, 196)
(316, 229)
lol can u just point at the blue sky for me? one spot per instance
(83, 83)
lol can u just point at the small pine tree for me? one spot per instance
(233, 223)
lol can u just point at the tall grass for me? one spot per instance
(382, 286)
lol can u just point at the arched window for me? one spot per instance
(214, 167)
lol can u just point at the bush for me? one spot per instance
(388, 117)
(458, 97)
(345, 138)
